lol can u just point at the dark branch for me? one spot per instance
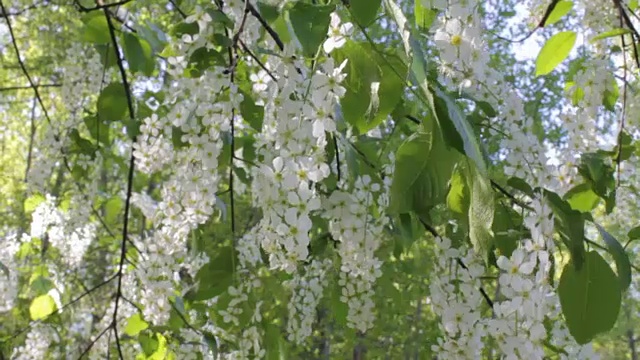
(274, 35)
(433, 232)
(132, 161)
(26, 87)
(82, 8)
(32, 84)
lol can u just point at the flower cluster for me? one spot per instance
(307, 292)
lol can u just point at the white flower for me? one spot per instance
(338, 34)
(514, 268)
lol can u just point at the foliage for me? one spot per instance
(318, 179)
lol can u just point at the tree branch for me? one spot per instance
(132, 160)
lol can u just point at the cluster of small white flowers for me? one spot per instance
(307, 292)
(250, 347)
(83, 76)
(45, 159)
(359, 234)
(590, 85)
(153, 151)
(526, 301)
(71, 241)
(249, 260)
(455, 298)
(518, 323)
(297, 112)
(36, 346)
(457, 37)
(82, 79)
(597, 16)
(8, 281)
(201, 108)
(192, 347)
(465, 63)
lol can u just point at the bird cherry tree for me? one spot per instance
(251, 179)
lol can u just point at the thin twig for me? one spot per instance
(93, 342)
(32, 135)
(175, 6)
(502, 190)
(260, 63)
(435, 234)
(32, 84)
(21, 331)
(274, 35)
(82, 8)
(26, 87)
(132, 160)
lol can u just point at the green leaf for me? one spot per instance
(481, 211)
(411, 159)
(367, 69)
(620, 256)
(626, 148)
(310, 23)
(453, 114)
(96, 29)
(161, 351)
(135, 324)
(274, 342)
(202, 59)
(413, 50)
(600, 175)
(222, 40)
(220, 17)
(610, 97)
(560, 9)
(80, 145)
(216, 276)
(424, 16)
(185, 28)
(147, 343)
(634, 233)
(458, 196)
(364, 11)
(99, 130)
(113, 210)
(32, 202)
(570, 225)
(112, 103)
(269, 12)
(590, 297)
(41, 285)
(420, 179)
(150, 32)
(138, 53)
(554, 51)
(41, 307)
(610, 33)
(251, 113)
(209, 339)
(507, 229)
(582, 198)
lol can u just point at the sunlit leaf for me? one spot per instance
(41, 307)
(135, 324)
(554, 51)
